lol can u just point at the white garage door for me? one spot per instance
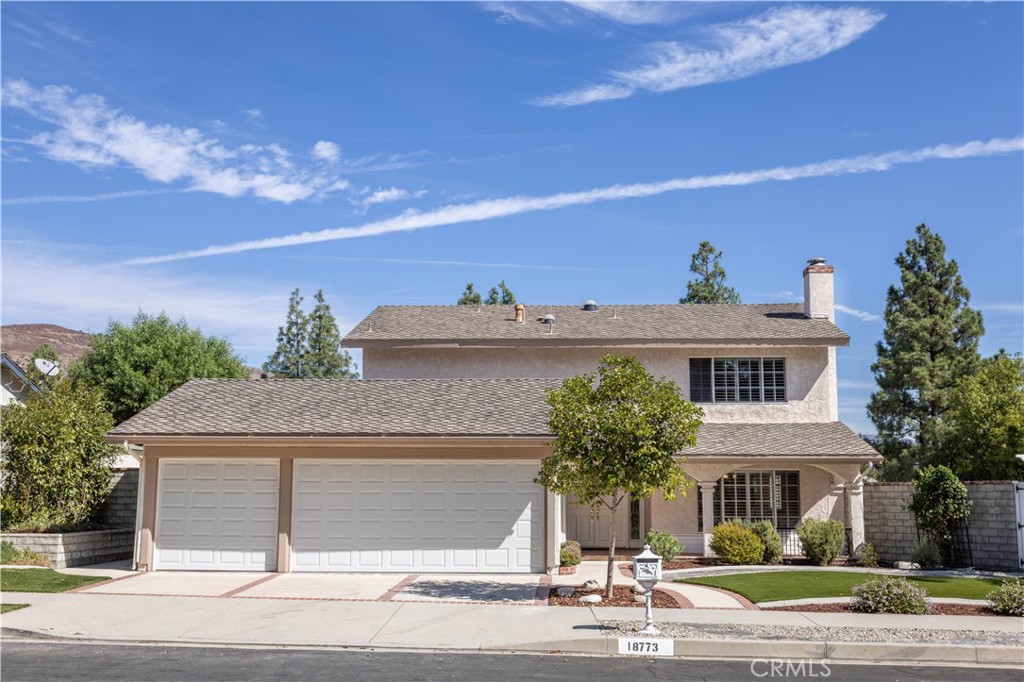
(217, 515)
(440, 517)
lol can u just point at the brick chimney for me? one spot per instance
(819, 298)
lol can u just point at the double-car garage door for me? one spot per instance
(352, 515)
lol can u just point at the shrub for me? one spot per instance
(822, 540)
(926, 554)
(734, 544)
(664, 545)
(12, 556)
(769, 537)
(941, 504)
(889, 595)
(868, 556)
(1008, 598)
(571, 553)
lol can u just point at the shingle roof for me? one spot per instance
(431, 407)
(675, 323)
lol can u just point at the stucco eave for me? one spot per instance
(315, 440)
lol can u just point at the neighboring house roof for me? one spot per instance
(431, 408)
(776, 324)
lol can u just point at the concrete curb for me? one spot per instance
(859, 652)
(737, 649)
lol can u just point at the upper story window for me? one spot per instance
(738, 380)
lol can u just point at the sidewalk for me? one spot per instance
(108, 613)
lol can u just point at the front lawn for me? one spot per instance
(4, 608)
(785, 585)
(42, 580)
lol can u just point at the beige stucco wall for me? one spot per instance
(820, 498)
(810, 377)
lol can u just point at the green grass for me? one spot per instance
(4, 608)
(784, 585)
(42, 580)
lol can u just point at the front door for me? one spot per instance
(596, 531)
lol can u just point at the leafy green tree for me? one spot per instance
(941, 504)
(135, 365)
(709, 286)
(56, 467)
(930, 343)
(985, 422)
(325, 358)
(500, 295)
(470, 296)
(289, 359)
(46, 352)
(618, 432)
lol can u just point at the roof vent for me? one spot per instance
(816, 261)
(520, 313)
(548, 319)
(590, 305)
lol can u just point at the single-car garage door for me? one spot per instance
(217, 515)
(417, 516)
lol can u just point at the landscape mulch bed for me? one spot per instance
(623, 597)
(937, 609)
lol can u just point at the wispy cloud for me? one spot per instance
(77, 198)
(854, 385)
(1012, 308)
(633, 12)
(489, 209)
(783, 36)
(254, 115)
(388, 195)
(859, 314)
(89, 133)
(449, 263)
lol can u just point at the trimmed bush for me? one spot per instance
(769, 537)
(571, 553)
(1008, 598)
(889, 595)
(926, 554)
(734, 544)
(868, 556)
(664, 545)
(822, 540)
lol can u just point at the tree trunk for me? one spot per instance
(608, 588)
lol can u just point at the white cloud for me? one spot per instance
(859, 314)
(489, 209)
(79, 198)
(326, 151)
(253, 114)
(389, 195)
(854, 385)
(1012, 308)
(633, 12)
(89, 133)
(779, 37)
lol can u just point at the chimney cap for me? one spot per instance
(816, 261)
(520, 306)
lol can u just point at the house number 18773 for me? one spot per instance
(646, 647)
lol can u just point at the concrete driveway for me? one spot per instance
(382, 587)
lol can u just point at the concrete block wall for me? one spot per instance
(118, 510)
(66, 550)
(992, 524)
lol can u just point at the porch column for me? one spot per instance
(853, 499)
(707, 492)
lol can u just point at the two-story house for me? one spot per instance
(427, 463)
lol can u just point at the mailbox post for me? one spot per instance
(647, 572)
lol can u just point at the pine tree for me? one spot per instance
(470, 296)
(500, 295)
(709, 287)
(930, 343)
(325, 359)
(289, 358)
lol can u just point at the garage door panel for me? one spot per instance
(217, 515)
(418, 516)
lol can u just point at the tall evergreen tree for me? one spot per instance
(289, 358)
(470, 296)
(325, 358)
(930, 343)
(500, 295)
(709, 286)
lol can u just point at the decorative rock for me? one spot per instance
(591, 599)
(639, 599)
(639, 589)
(906, 565)
(564, 591)
(591, 585)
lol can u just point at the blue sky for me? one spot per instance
(389, 153)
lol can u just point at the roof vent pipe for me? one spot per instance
(520, 313)
(590, 305)
(549, 321)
